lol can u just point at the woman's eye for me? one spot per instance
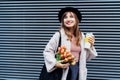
(65, 17)
(71, 16)
(68, 17)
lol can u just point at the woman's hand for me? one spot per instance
(91, 40)
(60, 65)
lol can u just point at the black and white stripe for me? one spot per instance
(26, 27)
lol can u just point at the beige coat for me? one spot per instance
(51, 47)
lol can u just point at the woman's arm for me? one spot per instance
(49, 52)
(91, 53)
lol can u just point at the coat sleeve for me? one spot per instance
(49, 52)
(91, 53)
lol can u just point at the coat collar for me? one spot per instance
(64, 40)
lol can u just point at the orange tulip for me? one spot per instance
(59, 49)
(69, 58)
(62, 51)
(65, 54)
(67, 51)
(63, 47)
(68, 54)
(61, 56)
(66, 60)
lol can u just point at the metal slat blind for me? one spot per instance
(26, 27)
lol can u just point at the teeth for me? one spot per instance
(68, 22)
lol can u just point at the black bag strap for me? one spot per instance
(59, 44)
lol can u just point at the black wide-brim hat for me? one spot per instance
(69, 9)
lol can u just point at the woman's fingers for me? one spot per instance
(61, 61)
(65, 65)
(91, 40)
(60, 65)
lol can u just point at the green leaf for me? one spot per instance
(58, 56)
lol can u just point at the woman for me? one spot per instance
(73, 39)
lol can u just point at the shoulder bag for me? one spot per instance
(54, 75)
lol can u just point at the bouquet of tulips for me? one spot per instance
(65, 55)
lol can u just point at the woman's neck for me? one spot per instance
(71, 31)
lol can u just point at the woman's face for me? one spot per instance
(69, 20)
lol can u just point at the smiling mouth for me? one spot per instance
(68, 22)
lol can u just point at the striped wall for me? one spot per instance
(26, 27)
